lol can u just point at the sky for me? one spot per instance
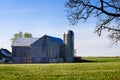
(40, 17)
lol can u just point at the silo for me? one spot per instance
(69, 45)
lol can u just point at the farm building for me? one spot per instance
(5, 55)
(46, 49)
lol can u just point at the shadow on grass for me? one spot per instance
(81, 60)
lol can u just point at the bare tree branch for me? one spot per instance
(106, 11)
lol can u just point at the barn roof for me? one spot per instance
(29, 41)
(55, 39)
(24, 41)
(5, 52)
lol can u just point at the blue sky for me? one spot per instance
(41, 17)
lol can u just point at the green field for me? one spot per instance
(100, 69)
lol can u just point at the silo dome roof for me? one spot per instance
(70, 32)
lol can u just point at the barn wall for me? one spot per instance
(21, 55)
(45, 50)
(62, 53)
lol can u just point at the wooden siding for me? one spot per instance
(62, 51)
(45, 50)
(21, 55)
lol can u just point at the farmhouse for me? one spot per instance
(46, 49)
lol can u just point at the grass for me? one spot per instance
(103, 59)
(101, 69)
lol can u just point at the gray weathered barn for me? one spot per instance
(46, 49)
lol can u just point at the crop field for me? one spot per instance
(102, 68)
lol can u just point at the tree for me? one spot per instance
(20, 35)
(107, 13)
(27, 35)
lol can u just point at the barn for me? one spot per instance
(47, 49)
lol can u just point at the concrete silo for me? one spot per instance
(69, 45)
